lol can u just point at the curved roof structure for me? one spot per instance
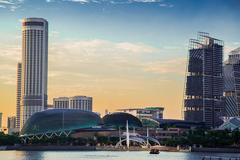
(57, 120)
(118, 119)
(230, 124)
(151, 123)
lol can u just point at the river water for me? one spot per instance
(104, 155)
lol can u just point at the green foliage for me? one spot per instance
(206, 138)
(6, 139)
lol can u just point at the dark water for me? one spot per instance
(102, 155)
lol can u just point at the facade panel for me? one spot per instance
(232, 84)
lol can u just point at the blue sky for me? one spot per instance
(136, 49)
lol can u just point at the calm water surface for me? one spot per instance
(102, 155)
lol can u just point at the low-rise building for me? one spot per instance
(145, 112)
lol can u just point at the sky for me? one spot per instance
(123, 53)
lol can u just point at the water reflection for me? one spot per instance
(29, 155)
(102, 155)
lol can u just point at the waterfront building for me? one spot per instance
(118, 120)
(84, 124)
(232, 84)
(61, 121)
(34, 67)
(74, 121)
(145, 112)
(203, 100)
(18, 96)
(76, 102)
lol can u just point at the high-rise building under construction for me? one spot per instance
(204, 81)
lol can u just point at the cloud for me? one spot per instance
(118, 2)
(80, 1)
(146, 1)
(12, 5)
(173, 66)
(5, 2)
(96, 61)
(166, 5)
(102, 60)
(9, 56)
(2, 6)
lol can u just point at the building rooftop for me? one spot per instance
(142, 108)
(235, 51)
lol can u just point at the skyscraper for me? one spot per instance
(34, 66)
(204, 81)
(18, 101)
(232, 84)
(0, 121)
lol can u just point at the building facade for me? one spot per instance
(76, 102)
(18, 96)
(34, 67)
(203, 100)
(11, 122)
(232, 84)
(0, 120)
(61, 103)
(147, 112)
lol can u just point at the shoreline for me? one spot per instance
(109, 148)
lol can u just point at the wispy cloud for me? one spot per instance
(80, 1)
(166, 5)
(9, 56)
(93, 57)
(118, 2)
(174, 66)
(6, 2)
(12, 5)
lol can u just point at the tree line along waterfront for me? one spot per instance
(196, 138)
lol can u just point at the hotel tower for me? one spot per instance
(34, 67)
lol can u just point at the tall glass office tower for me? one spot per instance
(204, 81)
(34, 67)
(232, 84)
